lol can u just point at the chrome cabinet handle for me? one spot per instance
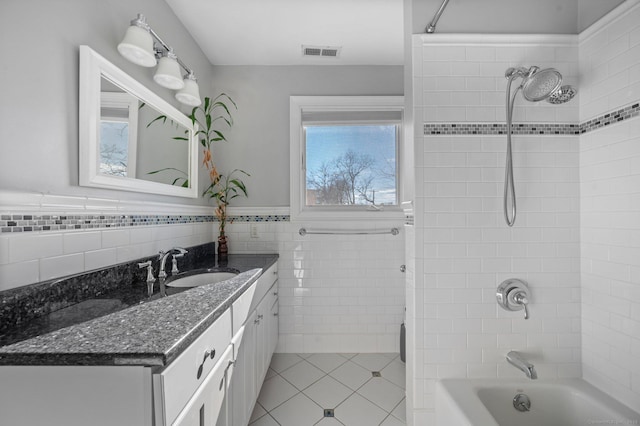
(207, 354)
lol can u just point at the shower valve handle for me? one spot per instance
(521, 299)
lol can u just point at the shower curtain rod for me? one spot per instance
(393, 231)
(432, 26)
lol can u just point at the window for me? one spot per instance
(118, 134)
(344, 154)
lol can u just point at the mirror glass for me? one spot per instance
(130, 138)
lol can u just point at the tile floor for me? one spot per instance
(300, 388)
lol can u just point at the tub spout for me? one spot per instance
(517, 360)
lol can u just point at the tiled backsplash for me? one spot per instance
(338, 293)
(56, 222)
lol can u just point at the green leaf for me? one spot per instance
(160, 117)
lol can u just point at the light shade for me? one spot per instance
(137, 45)
(190, 93)
(168, 73)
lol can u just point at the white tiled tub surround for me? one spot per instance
(463, 247)
(610, 209)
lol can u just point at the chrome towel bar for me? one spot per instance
(392, 231)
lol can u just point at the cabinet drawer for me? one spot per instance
(241, 307)
(204, 407)
(177, 383)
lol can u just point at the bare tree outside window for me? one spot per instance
(352, 165)
(113, 148)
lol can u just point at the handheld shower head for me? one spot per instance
(536, 85)
(540, 85)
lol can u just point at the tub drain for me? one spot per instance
(521, 402)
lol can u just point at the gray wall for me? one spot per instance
(39, 42)
(511, 16)
(259, 142)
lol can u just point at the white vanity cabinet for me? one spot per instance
(204, 406)
(256, 346)
(230, 355)
(176, 386)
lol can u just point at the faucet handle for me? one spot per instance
(521, 299)
(174, 263)
(149, 265)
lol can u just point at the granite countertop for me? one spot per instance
(153, 333)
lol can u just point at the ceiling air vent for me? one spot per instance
(326, 51)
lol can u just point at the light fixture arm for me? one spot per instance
(141, 21)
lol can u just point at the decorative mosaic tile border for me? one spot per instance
(51, 222)
(612, 117)
(500, 129)
(532, 128)
(257, 218)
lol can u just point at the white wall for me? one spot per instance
(463, 248)
(260, 139)
(338, 293)
(39, 138)
(610, 209)
(39, 108)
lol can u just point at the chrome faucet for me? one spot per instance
(162, 256)
(517, 360)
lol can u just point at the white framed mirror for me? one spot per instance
(130, 138)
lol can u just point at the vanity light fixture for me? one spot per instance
(168, 73)
(138, 46)
(189, 94)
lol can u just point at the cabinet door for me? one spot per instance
(262, 332)
(204, 406)
(273, 325)
(243, 386)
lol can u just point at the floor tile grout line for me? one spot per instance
(394, 408)
(325, 374)
(296, 394)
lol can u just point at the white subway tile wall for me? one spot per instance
(610, 211)
(463, 247)
(609, 67)
(337, 293)
(28, 257)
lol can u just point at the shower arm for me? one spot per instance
(432, 26)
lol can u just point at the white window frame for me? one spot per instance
(299, 209)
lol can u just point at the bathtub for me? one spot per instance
(489, 402)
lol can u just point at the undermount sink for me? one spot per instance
(198, 279)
